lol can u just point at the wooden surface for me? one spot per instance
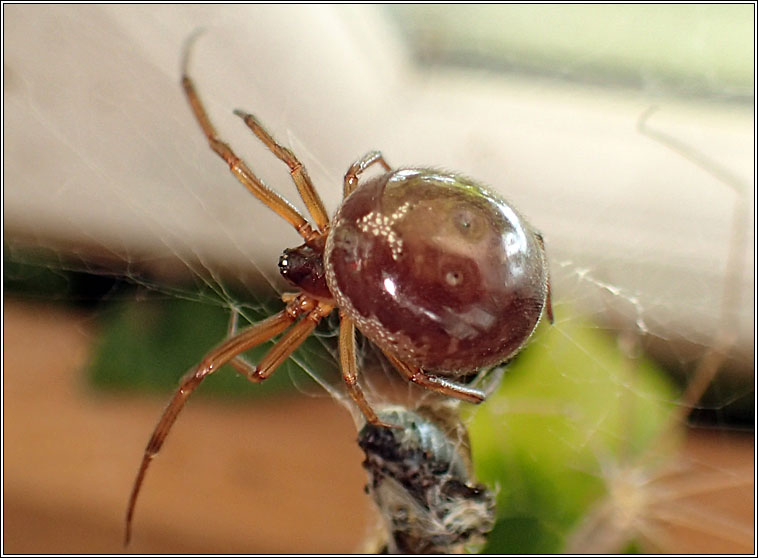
(260, 477)
(237, 478)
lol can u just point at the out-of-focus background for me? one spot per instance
(117, 215)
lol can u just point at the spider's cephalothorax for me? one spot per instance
(303, 267)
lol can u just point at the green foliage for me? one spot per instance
(150, 344)
(34, 278)
(569, 403)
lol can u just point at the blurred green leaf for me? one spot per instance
(568, 403)
(150, 344)
(685, 49)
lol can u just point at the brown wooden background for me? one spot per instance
(262, 477)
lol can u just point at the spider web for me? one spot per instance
(106, 173)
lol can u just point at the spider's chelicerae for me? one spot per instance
(442, 274)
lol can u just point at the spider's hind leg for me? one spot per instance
(435, 383)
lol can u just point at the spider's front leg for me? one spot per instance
(237, 166)
(311, 311)
(297, 304)
(299, 175)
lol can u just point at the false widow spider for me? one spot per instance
(436, 270)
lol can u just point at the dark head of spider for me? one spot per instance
(303, 267)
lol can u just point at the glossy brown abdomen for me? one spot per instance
(437, 270)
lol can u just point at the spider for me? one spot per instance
(439, 272)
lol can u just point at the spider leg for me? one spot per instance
(350, 371)
(289, 342)
(238, 168)
(435, 383)
(548, 297)
(359, 167)
(299, 175)
(224, 353)
(240, 363)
